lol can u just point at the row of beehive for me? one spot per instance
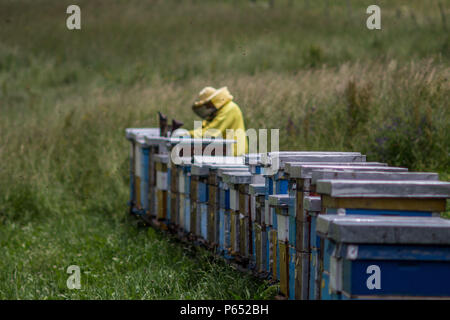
(288, 216)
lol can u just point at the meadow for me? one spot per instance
(310, 68)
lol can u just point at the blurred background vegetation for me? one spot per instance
(310, 68)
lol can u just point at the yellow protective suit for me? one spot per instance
(229, 116)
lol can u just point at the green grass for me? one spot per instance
(66, 97)
(117, 261)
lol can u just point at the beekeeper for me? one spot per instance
(219, 113)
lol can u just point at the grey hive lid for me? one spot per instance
(305, 171)
(311, 203)
(350, 174)
(252, 158)
(203, 169)
(290, 153)
(384, 229)
(257, 189)
(269, 159)
(219, 160)
(291, 165)
(155, 140)
(216, 166)
(237, 177)
(279, 200)
(293, 169)
(133, 133)
(222, 171)
(265, 159)
(383, 189)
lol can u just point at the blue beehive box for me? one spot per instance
(269, 223)
(221, 230)
(252, 161)
(225, 214)
(353, 173)
(256, 192)
(224, 218)
(311, 205)
(277, 182)
(302, 174)
(302, 185)
(385, 257)
(181, 212)
(139, 164)
(179, 188)
(202, 191)
(203, 220)
(239, 241)
(398, 198)
(187, 215)
(144, 153)
(206, 169)
(196, 151)
(161, 161)
(314, 274)
(214, 195)
(280, 202)
(184, 177)
(187, 180)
